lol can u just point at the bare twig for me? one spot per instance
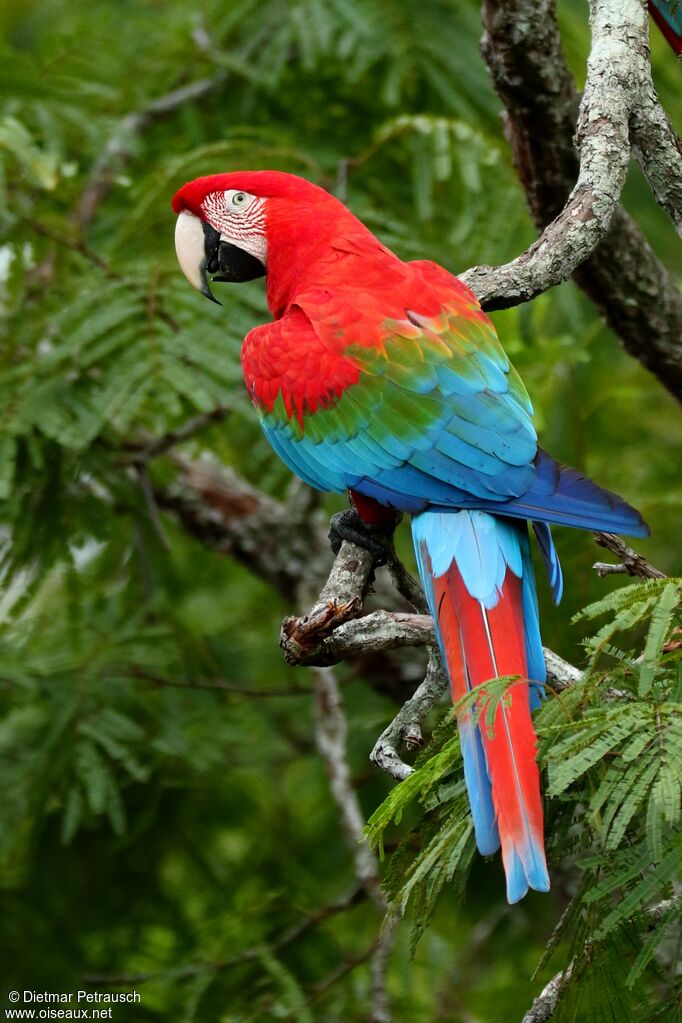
(631, 562)
(355, 896)
(151, 505)
(219, 684)
(345, 967)
(144, 450)
(406, 584)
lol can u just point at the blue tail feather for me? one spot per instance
(555, 577)
(535, 658)
(479, 787)
(564, 496)
(531, 872)
(477, 543)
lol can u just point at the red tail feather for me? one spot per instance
(480, 644)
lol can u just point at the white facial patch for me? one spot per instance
(240, 218)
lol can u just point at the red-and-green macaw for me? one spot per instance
(386, 379)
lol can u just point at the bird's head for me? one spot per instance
(245, 224)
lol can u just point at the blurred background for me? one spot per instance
(165, 818)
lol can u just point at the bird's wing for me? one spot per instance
(412, 402)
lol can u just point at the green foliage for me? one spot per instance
(611, 747)
(444, 839)
(155, 818)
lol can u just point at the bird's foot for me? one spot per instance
(377, 539)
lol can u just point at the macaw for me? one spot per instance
(385, 379)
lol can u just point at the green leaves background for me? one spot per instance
(148, 824)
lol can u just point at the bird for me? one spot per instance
(385, 379)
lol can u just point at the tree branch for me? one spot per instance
(602, 136)
(405, 729)
(560, 674)
(631, 563)
(657, 148)
(218, 684)
(331, 732)
(324, 637)
(226, 514)
(145, 450)
(638, 298)
(341, 600)
(334, 630)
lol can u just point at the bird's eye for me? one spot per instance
(239, 198)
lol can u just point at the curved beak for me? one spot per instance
(191, 248)
(205, 256)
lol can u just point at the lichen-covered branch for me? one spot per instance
(560, 674)
(404, 732)
(638, 298)
(341, 600)
(656, 146)
(603, 138)
(325, 636)
(631, 563)
(544, 1005)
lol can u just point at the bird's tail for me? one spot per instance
(477, 574)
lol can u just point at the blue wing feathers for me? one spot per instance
(444, 423)
(562, 495)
